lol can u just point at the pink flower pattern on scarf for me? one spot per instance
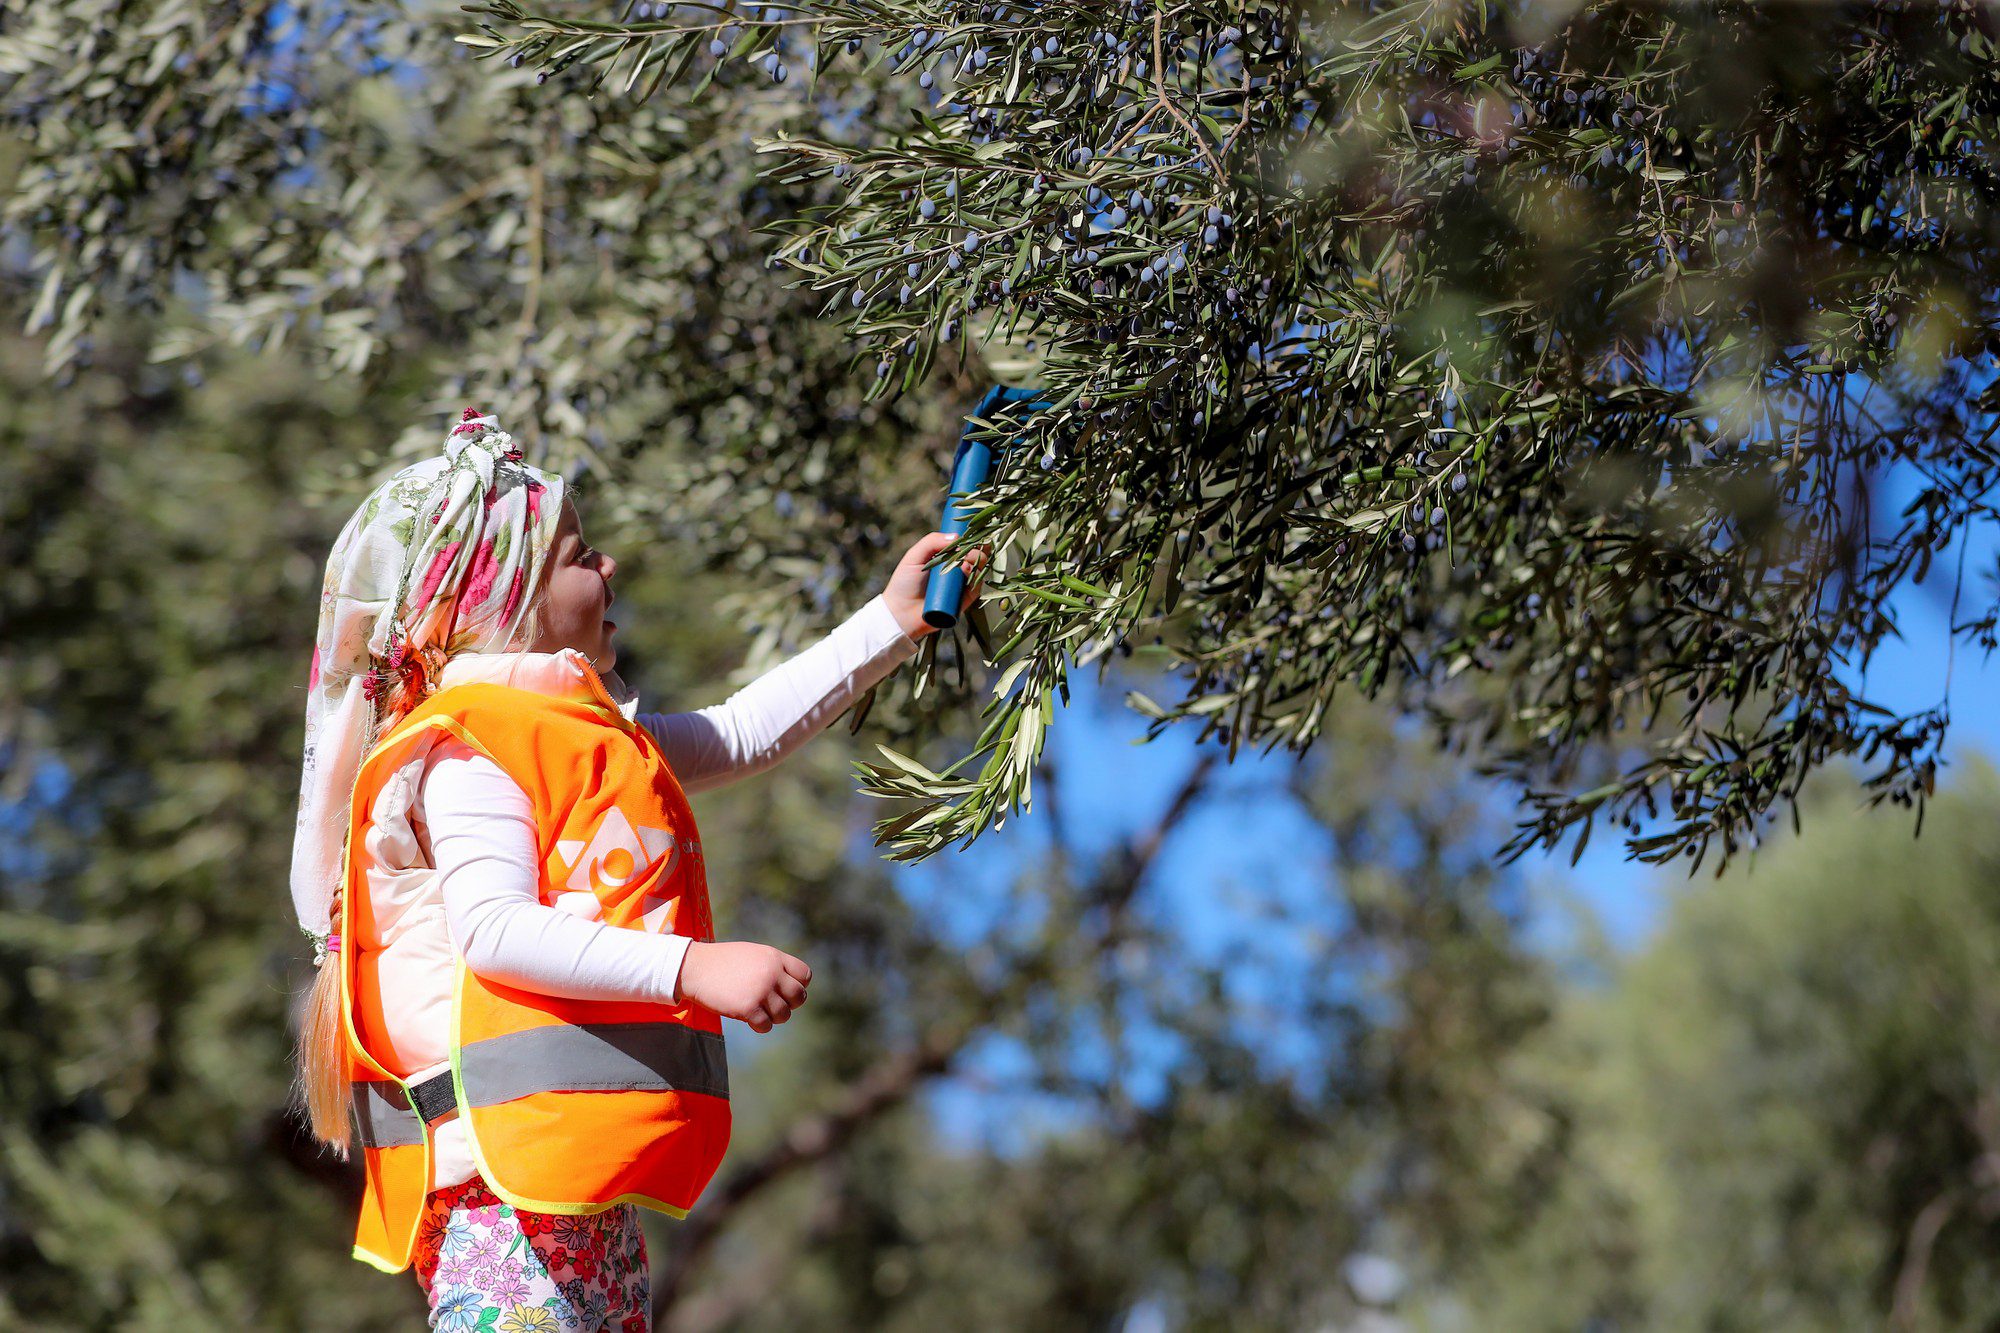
(400, 565)
(479, 578)
(434, 576)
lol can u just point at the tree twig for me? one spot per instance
(1160, 96)
(537, 218)
(1930, 1220)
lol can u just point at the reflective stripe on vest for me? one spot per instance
(591, 1057)
(383, 1117)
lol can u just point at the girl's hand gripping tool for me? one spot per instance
(970, 467)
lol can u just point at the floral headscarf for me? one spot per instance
(442, 558)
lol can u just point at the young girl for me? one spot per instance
(518, 1008)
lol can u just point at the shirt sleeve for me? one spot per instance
(482, 833)
(786, 706)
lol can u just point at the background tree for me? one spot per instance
(1567, 350)
(1782, 1113)
(1224, 1126)
(161, 558)
(1556, 368)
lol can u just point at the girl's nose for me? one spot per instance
(607, 566)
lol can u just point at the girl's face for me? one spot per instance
(579, 591)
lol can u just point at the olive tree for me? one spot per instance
(1589, 377)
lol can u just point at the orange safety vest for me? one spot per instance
(570, 1106)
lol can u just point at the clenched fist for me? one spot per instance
(752, 983)
(908, 586)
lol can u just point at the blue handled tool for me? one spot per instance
(970, 467)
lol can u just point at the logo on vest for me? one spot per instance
(613, 856)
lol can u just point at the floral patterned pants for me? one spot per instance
(488, 1267)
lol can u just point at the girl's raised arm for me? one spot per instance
(786, 706)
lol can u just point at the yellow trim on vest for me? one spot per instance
(376, 1261)
(601, 706)
(440, 722)
(382, 747)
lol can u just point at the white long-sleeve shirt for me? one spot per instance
(481, 831)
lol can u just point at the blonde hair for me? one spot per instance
(324, 1089)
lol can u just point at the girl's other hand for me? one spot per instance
(907, 586)
(752, 983)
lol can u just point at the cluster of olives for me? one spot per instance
(1558, 100)
(1105, 237)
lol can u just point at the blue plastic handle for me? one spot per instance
(970, 467)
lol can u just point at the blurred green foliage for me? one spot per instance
(267, 248)
(161, 562)
(1783, 1113)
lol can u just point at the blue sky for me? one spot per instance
(1242, 838)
